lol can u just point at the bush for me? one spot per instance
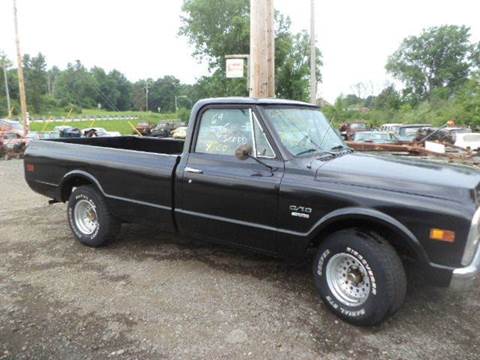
(184, 115)
(74, 108)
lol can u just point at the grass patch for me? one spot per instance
(110, 125)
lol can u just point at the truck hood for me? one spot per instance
(401, 174)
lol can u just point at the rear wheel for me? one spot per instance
(89, 218)
(359, 277)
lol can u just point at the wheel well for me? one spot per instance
(395, 237)
(72, 183)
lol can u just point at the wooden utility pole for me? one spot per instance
(21, 80)
(313, 55)
(262, 49)
(147, 89)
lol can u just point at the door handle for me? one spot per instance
(193, 171)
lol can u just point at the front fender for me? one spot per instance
(372, 216)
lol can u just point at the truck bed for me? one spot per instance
(135, 175)
(145, 144)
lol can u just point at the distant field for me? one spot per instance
(110, 125)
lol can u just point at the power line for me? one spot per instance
(313, 55)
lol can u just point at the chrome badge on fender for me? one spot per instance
(300, 211)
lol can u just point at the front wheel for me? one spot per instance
(89, 218)
(359, 277)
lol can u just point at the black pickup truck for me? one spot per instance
(273, 176)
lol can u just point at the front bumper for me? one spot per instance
(464, 278)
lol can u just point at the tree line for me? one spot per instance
(437, 73)
(75, 87)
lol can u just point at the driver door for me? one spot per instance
(226, 199)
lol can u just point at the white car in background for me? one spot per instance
(180, 132)
(468, 140)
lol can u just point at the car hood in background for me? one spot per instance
(401, 174)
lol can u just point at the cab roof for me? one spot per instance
(251, 101)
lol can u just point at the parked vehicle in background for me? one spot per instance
(180, 132)
(69, 132)
(13, 144)
(98, 131)
(390, 127)
(143, 128)
(359, 126)
(163, 130)
(446, 135)
(468, 140)
(454, 131)
(375, 137)
(348, 130)
(10, 125)
(408, 133)
(272, 176)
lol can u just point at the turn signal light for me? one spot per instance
(442, 235)
(30, 168)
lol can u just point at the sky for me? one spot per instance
(139, 38)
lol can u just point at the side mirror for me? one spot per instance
(243, 152)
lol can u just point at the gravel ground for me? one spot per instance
(151, 295)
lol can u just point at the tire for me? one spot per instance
(89, 219)
(375, 284)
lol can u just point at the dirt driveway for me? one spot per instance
(154, 296)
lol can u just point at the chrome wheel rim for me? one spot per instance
(85, 215)
(348, 279)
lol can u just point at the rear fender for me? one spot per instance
(75, 178)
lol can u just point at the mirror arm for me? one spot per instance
(262, 163)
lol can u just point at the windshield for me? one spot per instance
(358, 126)
(362, 136)
(304, 130)
(471, 137)
(409, 131)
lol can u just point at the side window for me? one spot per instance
(222, 131)
(262, 146)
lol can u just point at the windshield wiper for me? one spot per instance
(341, 147)
(308, 151)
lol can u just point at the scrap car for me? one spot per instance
(376, 137)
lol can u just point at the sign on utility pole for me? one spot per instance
(313, 55)
(262, 49)
(235, 68)
(21, 81)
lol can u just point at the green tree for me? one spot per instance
(292, 55)
(5, 63)
(35, 69)
(76, 85)
(162, 94)
(440, 57)
(216, 29)
(388, 99)
(113, 90)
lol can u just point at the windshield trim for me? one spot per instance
(284, 151)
